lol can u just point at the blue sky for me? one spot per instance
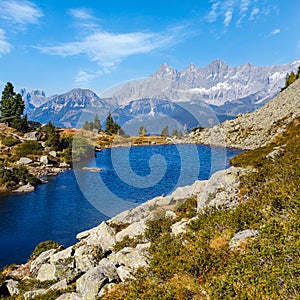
(59, 45)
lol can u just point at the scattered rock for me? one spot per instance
(221, 189)
(44, 159)
(102, 236)
(24, 161)
(33, 136)
(179, 227)
(64, 165)
(170, 214)
(240, 237)
(46, 272)
(70, 296)
(43, 258)
(53, 153)
(33, 294)
(25, 188)
(131, 231)
(90, 284)
(59, 285)
(12, 287)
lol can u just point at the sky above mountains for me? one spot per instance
(59, 45)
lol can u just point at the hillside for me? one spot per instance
(256, 129)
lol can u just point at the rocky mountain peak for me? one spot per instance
(166, 72)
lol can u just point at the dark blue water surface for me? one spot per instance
(61, 208)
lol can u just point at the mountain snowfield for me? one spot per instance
(227, 90)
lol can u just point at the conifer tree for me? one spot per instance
(12, 107)
(165, 132)
(52, 136)
(142, 131)
(96, 123)
(111, 127)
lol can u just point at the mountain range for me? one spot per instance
(210, 94)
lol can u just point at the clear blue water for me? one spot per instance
(79, 199)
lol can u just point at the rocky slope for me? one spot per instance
(256, 129)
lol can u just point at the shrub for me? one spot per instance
(28, 148)
(10, 141)
(44, 246)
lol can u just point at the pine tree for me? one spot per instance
(86, 125)
(12, 107)
(165, 132)
(111, 127)
(52, 136)
(96, 123)
(142, 131)
(175, 132)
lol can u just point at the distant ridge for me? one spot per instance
(228, 90)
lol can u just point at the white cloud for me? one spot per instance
(81, 14)
(255, 11)
(275, 31)
(5, 47)
(20, 12)
(213, 14)
(84, 77)
(244, 7)
(109, 49)
(239, 11)
(228, 17)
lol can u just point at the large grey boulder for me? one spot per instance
(40, 260)
(61, 255)
(60, 285)
(24, 161)
(27, 188)
(65, 264)
(133, 230)
(102, 236)
(85, 257)
(33, 136)
(70, 296)
(12, 287)
(130, 257)
(221, 189)
(33, 294)
(90, 284)
(47, 272)
(44, 159)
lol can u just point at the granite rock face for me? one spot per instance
(221, 190)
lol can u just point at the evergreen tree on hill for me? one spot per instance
(111, 126)
(12, 107)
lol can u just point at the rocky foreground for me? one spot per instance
(98, 261)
